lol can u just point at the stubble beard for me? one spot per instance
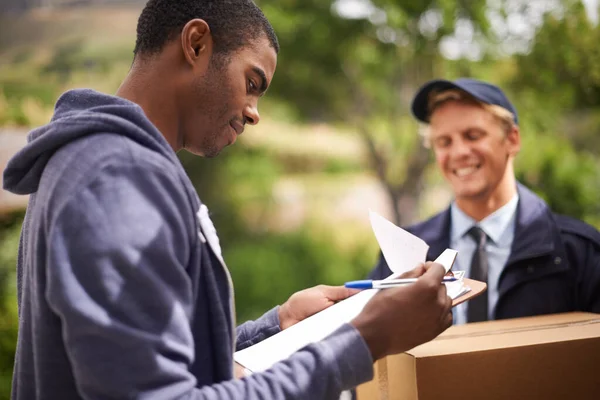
(214, 92)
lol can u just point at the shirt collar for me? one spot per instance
(494, 225)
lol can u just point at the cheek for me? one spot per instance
(441, 158)
(500, 160)
(494, 154)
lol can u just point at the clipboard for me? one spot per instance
(477, 288)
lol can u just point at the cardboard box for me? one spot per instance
(546, 357)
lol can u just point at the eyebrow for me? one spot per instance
(263, 78)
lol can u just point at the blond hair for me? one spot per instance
(437, 99)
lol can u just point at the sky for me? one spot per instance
(516, 32)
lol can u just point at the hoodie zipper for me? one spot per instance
(212, 239)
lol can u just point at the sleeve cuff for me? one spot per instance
(270, 320)
(252, 332)
(352, 356)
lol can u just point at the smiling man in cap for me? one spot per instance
(533, 260)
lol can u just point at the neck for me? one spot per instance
(479, 207)
(146, 86)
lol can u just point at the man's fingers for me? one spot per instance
(434, 271)
(449, 320)
(238, 371)
(443, 299)
(337, 293)
(415, 272)
(447, 304)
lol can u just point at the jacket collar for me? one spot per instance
(535, 230)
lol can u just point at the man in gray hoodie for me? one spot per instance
(122, 289)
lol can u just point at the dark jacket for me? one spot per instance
(121, 287)
(554, 265)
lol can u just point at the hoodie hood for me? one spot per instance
(79, 113)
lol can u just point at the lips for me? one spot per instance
(237, 127)
(234, 135)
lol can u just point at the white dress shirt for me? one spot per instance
(500, 230)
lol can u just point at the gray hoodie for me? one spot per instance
(122, 290)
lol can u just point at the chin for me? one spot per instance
(469, 191)
(210, 152)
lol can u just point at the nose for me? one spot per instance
(460, 148)
(251, 114)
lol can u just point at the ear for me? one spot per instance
(514, 140)
(197, 43)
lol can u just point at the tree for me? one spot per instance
(560, 78)
(364, 71)
(564, 61)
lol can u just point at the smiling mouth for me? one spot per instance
(466, 171)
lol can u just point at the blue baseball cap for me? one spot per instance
(482, 91)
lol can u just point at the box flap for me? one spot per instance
(512, 333)
(515, 323)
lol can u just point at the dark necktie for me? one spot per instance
(478, 307)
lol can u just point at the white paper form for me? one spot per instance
(457, 288)
(413, 251)
(278, 347)
(402, 250)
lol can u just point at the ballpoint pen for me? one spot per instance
(387, 283)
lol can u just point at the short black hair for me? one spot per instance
(233, 23)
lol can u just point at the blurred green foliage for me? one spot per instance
(360, 70)
(568, 180)
(564, 59)
(267, 267)
(291, 261)
(355, 74)
(10, 227)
